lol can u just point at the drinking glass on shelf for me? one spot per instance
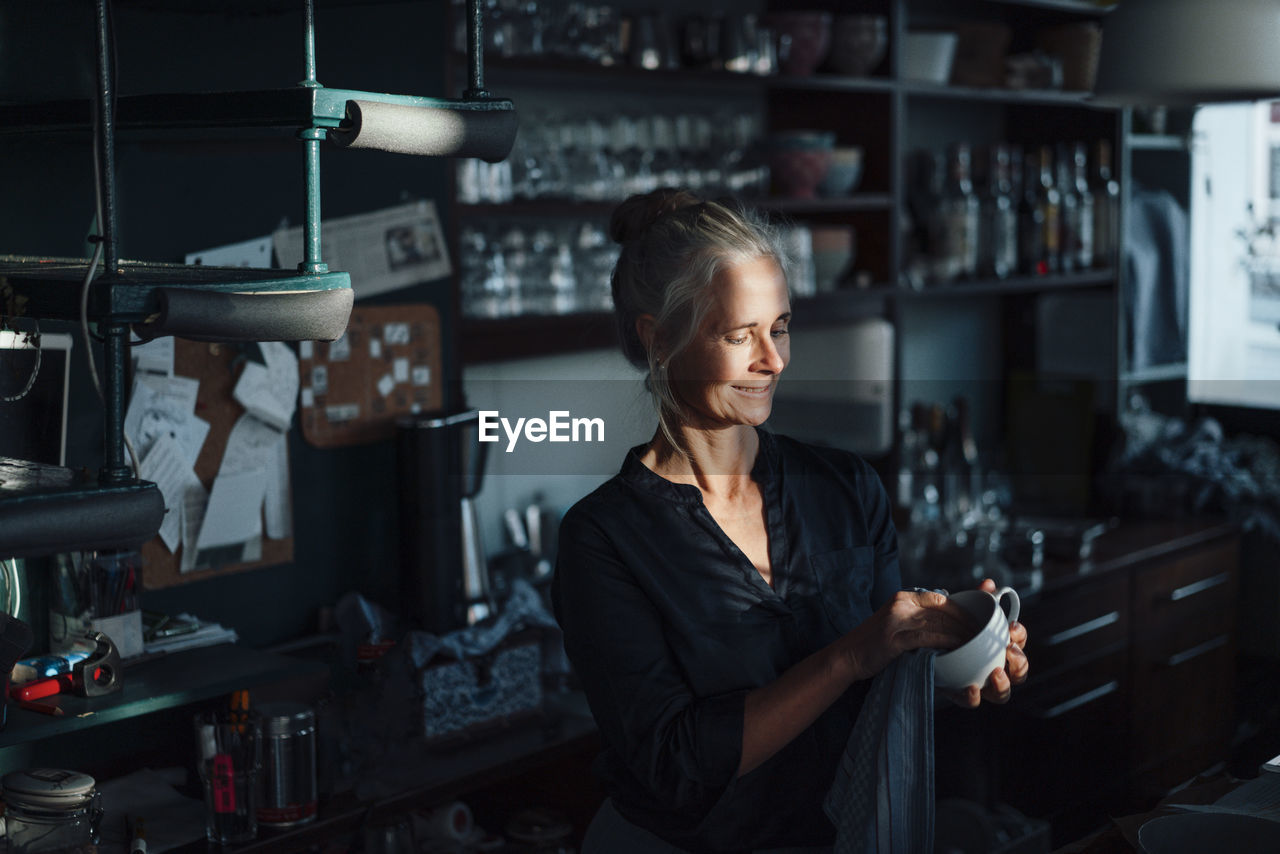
(229, 758)
(687, 153)
(594, 257)
(798, 240)
(668, 169)
(553, 160)
(700, 42)
(472, 253)
(766, 52)
(467, 171)
(563, 280)
(737, 47)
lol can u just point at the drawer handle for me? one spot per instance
(1197, 651)
(1199, 586)
(1083, 700)
(1083, 629)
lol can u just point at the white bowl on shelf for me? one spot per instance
(927, 56)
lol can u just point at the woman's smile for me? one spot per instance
(754, 391)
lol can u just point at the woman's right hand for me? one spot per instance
(910, 620)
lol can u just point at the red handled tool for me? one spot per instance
(38, 688)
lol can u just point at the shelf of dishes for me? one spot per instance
(558, 208)
(515, 337)
(791, 46)
(599, 158)
(523, 267)
(515, 268)
(499, 338)
(788, 43)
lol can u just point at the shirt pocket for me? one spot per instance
(844, 584)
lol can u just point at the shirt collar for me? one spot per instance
(636, 473)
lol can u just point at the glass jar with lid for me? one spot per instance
(49, 810)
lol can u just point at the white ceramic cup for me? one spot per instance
(972, 662)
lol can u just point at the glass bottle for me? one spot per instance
(960, 465)
(1049, 215)
(1030, 217)
(1086, 241)
(961, 213)
(1106, 206)
(1070, 218)
(1000, 217)
(924, 200)
(908, 459)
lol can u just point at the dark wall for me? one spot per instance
(198, 190)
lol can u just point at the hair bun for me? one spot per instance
(638, 213)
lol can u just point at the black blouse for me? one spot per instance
(669, 625)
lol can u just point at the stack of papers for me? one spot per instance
(201, 634)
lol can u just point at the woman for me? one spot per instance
(728, 596)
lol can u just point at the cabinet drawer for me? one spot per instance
(1170, 593)
(1066, 738)
(1067, 628)
(1183, 709)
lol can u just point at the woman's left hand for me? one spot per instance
(1001, 681)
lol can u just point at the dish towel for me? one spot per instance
(882, 799)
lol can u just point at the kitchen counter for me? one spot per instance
(1134, 542)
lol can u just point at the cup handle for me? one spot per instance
(1015, 604)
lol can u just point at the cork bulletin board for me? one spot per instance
(217, 369)
(388, 364)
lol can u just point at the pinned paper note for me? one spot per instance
(270, 391)
(388, 365)
(382, 250)
(246, 253)
(153, 357)
(234, 513)
(396, 333)
(277, 504)
(164, 406)
(340, 350)
(165, 466)
(194, 501)
(236, 443)
(250, 446)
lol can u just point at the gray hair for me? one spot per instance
(674, 244)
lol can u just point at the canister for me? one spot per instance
(51, 810)
(288, 779)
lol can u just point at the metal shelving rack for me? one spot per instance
(514, 337)
(45, 509)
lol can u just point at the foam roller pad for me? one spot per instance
(483, 129)
(84, 520)
(269, 316)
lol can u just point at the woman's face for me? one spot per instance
(728, 374)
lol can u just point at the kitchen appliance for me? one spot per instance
(444, 578)
(838, 388)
